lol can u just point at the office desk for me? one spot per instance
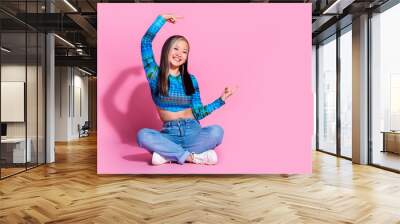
(13, 150)
(391, 141)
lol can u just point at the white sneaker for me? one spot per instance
(208, 157)
(157, 159)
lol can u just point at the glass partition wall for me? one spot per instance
(22, 88)
(334, 93)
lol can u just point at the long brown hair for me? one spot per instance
(164, 68)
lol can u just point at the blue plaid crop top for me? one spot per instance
(177, 99)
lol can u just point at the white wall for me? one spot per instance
(15, 72)
(62, 81)
(71, 93)
(33, 127)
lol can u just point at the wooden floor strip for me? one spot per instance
(70, 191)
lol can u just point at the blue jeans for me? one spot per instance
(178, 138)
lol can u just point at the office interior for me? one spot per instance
(49, 73)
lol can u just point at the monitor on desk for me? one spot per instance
(3, 130)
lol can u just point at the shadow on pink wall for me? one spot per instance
(140, 113)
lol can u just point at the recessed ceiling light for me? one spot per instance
(5, 50)
(64, 40)
(84, 71)
(337, 7)
(70, 5)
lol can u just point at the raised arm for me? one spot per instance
(149, 64)
(199, 110)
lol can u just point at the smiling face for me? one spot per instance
(174, 61)
(178, 53)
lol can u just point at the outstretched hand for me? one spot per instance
(171, 17)
(228, 91)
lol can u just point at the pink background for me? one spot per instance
(263, 48)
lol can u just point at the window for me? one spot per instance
(346, 92)
(385, 88)
(327, 95)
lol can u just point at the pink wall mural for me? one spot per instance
(265, 49)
